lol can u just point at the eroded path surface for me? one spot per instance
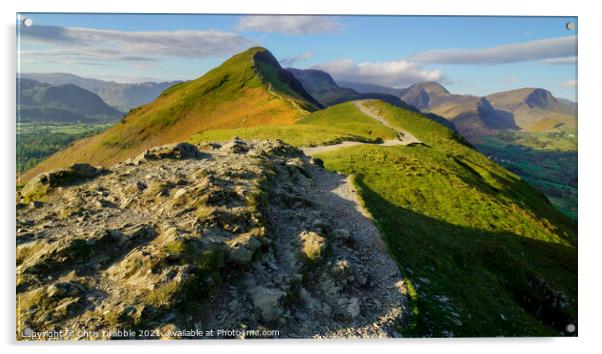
(403, 136)
(357, 289)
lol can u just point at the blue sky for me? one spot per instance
(469, 55)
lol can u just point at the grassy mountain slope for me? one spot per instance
(527, 130)
(249, 89)
(483, 251)
(342, 122)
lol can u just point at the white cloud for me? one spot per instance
(569, 84)
(293, 25)
(287, 62)
(80, 44)
(542, 49)
(398, 73)
(560, 61)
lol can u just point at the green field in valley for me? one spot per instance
(548, 161)
(36, 141)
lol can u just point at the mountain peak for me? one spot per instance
(247, 90)
(540, 98)
(420, 94)
(272, 74)
(430, 87)
(530, 96)
(434, 87)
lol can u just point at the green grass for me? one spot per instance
(477, 248)
(483, 252)
(347, 117)
(296, 135)
(564, 140)
(343, 122)
(462, 227)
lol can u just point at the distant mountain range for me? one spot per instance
(44, 102)
(525, 109)
(323, 87)
(536, 109)
(122, 96)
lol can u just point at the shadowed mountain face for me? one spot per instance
(63, 103)
(249, 89)
(269, 68)
(122, 96)
(321, 85)
(477, 117)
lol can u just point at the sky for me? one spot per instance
(468, 55)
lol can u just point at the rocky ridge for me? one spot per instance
(240, 236)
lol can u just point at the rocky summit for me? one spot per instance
(182, 239)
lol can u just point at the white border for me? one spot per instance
(590, 130)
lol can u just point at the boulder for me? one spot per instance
(179, 151)
(241, 255)
(40, 185)
(268, 301)
(236, 146)
(341, 269)
(313, 246)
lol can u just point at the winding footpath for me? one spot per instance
(403, 136)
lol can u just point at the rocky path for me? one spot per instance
(243, 237)
(346, 284)
(403, 136)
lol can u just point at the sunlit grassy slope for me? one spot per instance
(485, 252)
(329, 126)
(249, 89)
